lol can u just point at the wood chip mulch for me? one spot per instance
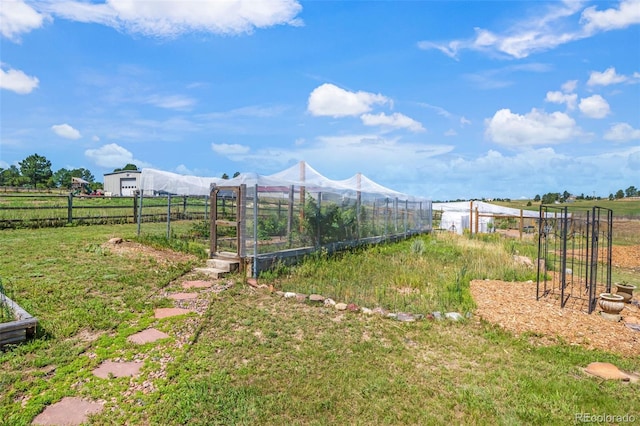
(513, 306)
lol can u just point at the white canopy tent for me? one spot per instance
(457, 216)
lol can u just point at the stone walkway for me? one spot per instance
(73, 411)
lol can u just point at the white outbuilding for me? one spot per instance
(124, 183)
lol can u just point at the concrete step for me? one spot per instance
(212, 272)
(228, 265)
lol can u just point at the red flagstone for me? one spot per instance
(196, 284)
(183, 296)
(170, 312)
(69, 411)
(147, 336)
(117, 369)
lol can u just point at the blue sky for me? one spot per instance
(442, 99)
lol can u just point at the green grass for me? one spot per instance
(256, 358)
(400, 278)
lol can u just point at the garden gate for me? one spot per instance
(228, 205)
(574, 255)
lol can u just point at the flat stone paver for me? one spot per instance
(606, 370)
(69, 411)
(183, 296)
(147, 336)
(117, 369)
(197, 284)
(170, 312)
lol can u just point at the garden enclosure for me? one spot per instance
(280, 217)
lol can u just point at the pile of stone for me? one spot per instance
(319, 300)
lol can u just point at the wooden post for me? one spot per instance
(477, 220)
(471, 218)
(521, 223)
(213, 199)
(70, 208)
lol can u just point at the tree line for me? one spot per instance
(35, 172)
(556, 197)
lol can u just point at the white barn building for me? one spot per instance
(124, 183)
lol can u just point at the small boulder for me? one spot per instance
(454, 316)
(341, 306)
(316, 298)
(329, 302)
(352, 307)
(289, 295)
(115, 240)
(405, 317)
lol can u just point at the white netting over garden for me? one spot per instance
(295, 208)
(154, 181)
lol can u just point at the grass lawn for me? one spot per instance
(253, 357)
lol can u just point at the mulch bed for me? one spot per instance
(513, 306)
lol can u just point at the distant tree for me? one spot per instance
(620, 194)
(565, 196)
(62, 178)
(536, 198)
(528, 203)
(631, 191)
(550, 198)
(611, 197)
(37, 169)
(236, 174)
(12, 177)
(129, 166)
(85, 174)
(225, 176)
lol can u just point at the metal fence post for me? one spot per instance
(168, 216)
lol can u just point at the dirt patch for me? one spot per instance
(513, 306)
(626, 256)
(133, 249)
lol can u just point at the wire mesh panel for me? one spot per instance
(574, 255)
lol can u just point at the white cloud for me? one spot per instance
(627, 14)
(95, 138)
(464, 121)
(622, 132)
(534, 128)
(113, 155)
(569, 86)
(451, 132)
(395, 120)
(331, 100)
(3, 164)
(16, 18)
(569, 99)
(594, 106)
(545, 29)
(605, 78)
(170, 18)
(171, 101)
(498, 78)
(17, 81)
(66, 131)
(229, 149)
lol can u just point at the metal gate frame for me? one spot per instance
(574, 254)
